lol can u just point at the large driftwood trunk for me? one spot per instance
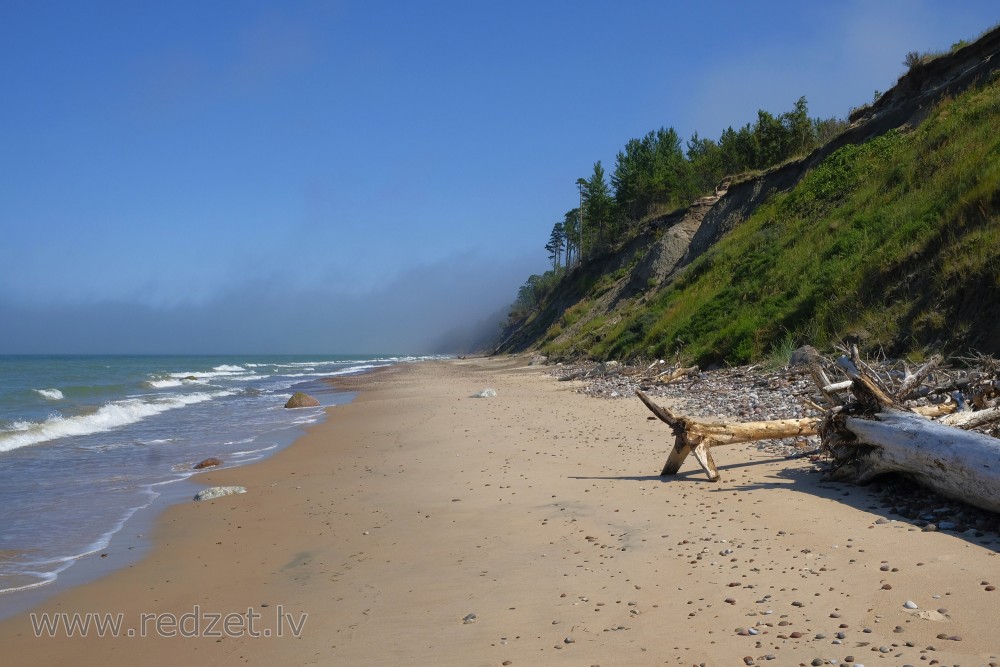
(876, 436)
(964, 465)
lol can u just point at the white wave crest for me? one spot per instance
(161, 384)
(108, 417)
(201, 376)
(357, 369)
(51, 394)
(252, 452)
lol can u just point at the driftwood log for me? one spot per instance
(878, 435)
(959, 464)
(698, 437)
(873, 432)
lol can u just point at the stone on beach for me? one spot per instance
(301, 400)
(486, 393)
(218, 492)
(210, 462)
(804, 356)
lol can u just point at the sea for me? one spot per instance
(89, 442)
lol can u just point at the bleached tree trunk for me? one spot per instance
(960, 464)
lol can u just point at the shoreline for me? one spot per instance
(131, 540)
(540, 512)
(83, 460)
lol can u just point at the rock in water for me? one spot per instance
(219, 491)
(210, 462)
(486, 393)
(301, 400)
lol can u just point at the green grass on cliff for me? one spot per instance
(895, 241)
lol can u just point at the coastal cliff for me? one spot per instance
(883, 234)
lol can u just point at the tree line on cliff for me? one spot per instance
(654, 174)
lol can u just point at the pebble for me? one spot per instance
(469, 618)
(910, 604)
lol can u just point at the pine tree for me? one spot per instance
(598, 206)
(557, 241)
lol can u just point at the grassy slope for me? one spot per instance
(896, 242)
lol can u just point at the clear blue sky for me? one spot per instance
(361, 175)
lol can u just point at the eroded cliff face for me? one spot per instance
(666, 245)
(907, 103)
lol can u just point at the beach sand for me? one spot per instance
(540, 512)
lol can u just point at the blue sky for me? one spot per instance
(362, 176)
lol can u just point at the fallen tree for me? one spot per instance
(875, 431)
(964, 465)
(877, 434)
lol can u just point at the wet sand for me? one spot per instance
(420, 526)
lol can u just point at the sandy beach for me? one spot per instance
(418, 525)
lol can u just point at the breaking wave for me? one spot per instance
(108, 417)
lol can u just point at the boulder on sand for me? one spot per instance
(301, 400)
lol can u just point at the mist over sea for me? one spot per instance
(87, 441)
